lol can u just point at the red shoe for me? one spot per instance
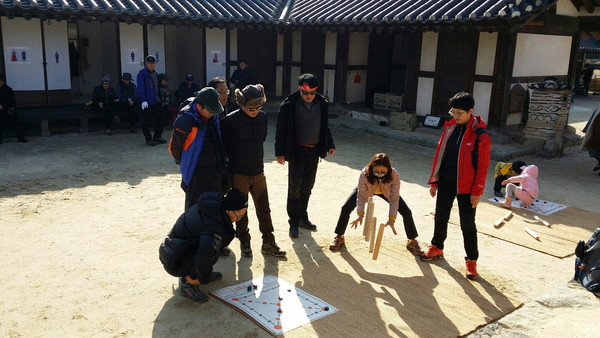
(471, 269)
(432, 253)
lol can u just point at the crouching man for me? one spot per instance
(193, 245)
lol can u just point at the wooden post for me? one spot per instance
(367, 218)
(372, 233)
(378, 241)
(532, 233)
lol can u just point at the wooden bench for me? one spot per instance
(45, 115)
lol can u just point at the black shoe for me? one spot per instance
(216, 276)
(159, 140)
(224, 252)
(22, 140)
(294, 232)
(246, 249)
(498, 194)
(272, 248)
(150, 143)
(132, 130)
(192, 292)
(305, 223)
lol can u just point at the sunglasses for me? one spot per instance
(255, 109)
(105, 83)
(308, 93)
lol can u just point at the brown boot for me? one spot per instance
(338, 242)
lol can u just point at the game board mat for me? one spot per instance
(398, 295)
(567, 227)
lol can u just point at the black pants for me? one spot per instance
(301, 179)
(257, 187)
(13, 119)
(201, 182)
(108, 114)
(498, 182)
(443, 205)
(153, 116)
(130, 110)
(403, 209)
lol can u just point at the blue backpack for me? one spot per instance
(587, 263)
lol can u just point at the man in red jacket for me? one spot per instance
(459, 171)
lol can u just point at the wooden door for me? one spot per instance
(259, 49)
(455, 67)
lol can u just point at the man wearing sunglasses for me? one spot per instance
(244, 132)
(301, 137)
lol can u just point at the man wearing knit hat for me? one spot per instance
(193, 246)
(244, 132)
(196, 145)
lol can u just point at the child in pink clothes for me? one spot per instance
(528, 190)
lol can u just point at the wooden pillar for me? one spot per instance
(503, 70)
(412, 44)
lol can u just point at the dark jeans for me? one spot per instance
(443, 205)
(108, 114)
(498, 182)
(13, 119)
(403, 209)
(201, 182)
(257, 187)
(153, 116)
(301, 179)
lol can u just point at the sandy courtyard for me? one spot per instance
(82, 217)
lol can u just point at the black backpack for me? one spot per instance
(587, 263)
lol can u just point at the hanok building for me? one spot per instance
(55, 51)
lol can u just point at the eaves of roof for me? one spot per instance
(295, 14)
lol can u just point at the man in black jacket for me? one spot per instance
(244, 132)
(193, 245)
(7, 110)
(302, 136)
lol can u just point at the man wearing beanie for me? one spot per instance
(192, 247)
(302, 136)
(244, 132)
(196, 146)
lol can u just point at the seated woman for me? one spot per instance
(381, 179)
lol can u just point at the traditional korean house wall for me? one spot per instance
(427, 71)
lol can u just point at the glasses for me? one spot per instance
(105, 83)
(308, 93)
(456, 114)
(255, 109)
(237, 218)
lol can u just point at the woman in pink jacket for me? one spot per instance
(528, 190)
(381, 179)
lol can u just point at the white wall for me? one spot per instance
(424, 95)
(429, 51)
(57, 55)
(156, 46)
(132, 49)
(486, 53)
(215, 53)
(358, 55)
(542, 55)
(296, 47)
(21, 35)
(565, 7)
(330, 48)
(482, 93)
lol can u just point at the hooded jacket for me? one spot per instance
(199, 233)
(470, 180)
(528, 181)
(285, 139)
(187, 140)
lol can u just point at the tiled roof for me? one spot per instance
(329, 13)
(589, 42)
(310, 12)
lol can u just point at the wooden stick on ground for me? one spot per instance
(378, 241)
(507, 216)
(367, 218)
(498, 223)
(541, 221)
(372, 233)
(532, 233)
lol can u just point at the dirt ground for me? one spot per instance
(82, 217)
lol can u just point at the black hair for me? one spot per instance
(311, 80)
(516, 167)
(462, 100)
(215, 81)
